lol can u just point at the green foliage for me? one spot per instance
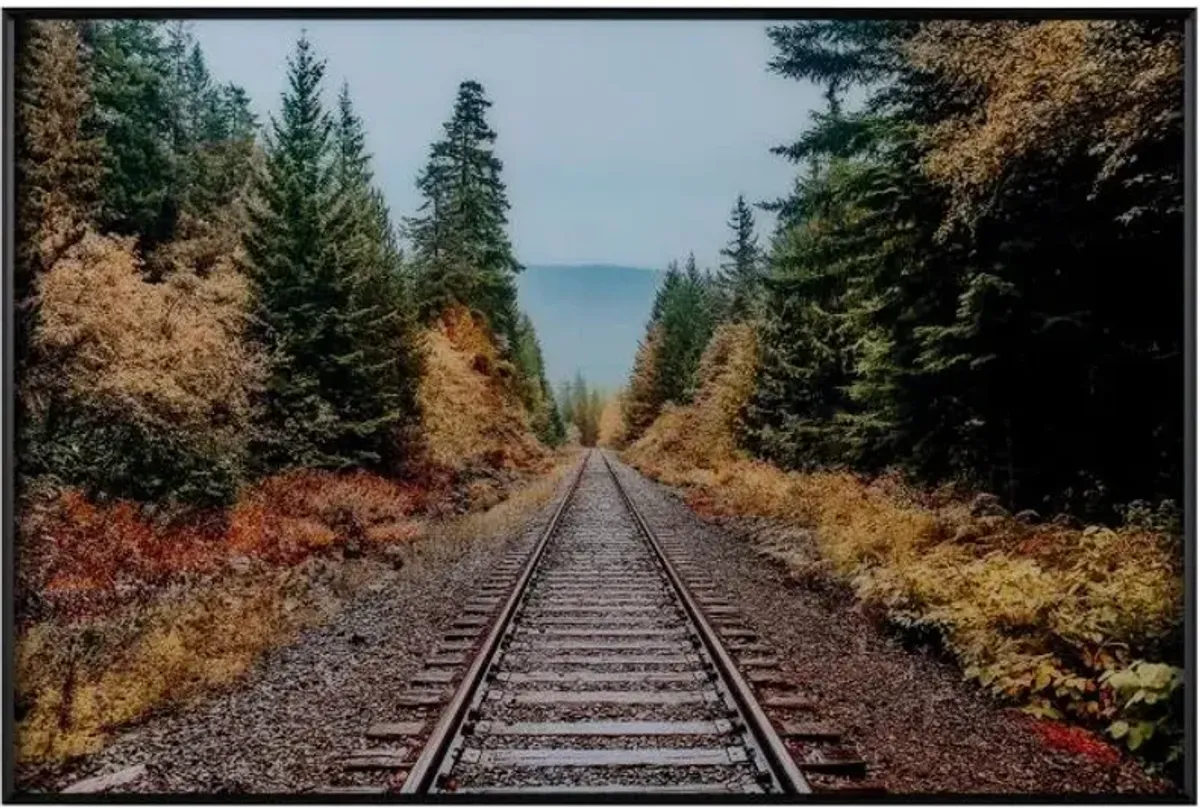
(330, 293)
(106, 453)
(582, 406)
(686, 310)
(1149, 697)
(895, 335)
(175, 144)
(134, 118)
(740, 278)
(535, 390)
(212, 130)
(462, 251)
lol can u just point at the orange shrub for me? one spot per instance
(78, 555)
(471, 413)
(81, 556)
(287, 517)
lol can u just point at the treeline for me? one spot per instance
(688, 307)
(202, 301)
(581, 407)
(948, 289)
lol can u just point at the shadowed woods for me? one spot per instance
(938, 379)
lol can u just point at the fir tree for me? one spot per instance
(535, 390)
(459, 237)
(136, 122)
(921, 293)
(328, 302)
(212, 131)
(380, 395)
(686, 313)
(739, 278)
(642, 401)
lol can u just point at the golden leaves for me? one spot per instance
(469, 411)
(1056, 89)
(169, 352)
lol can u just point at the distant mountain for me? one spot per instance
(589, 317)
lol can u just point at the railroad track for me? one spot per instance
(592, 665)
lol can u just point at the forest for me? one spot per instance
(939, 361)
(231, 354)
(941, 292)
(272, 262)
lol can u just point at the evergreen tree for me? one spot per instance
(57, 162)
(682, 320)
(459, 236)
(806, 354)
(642, 403)
(212, 130)
(565, 412)
(329, 296)
(535, 390)
(686, 313)
(583, 405)
(739, 278)
(939, 291)
(134, 117)
(380, 396)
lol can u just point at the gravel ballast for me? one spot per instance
(582, 596)
(304, 707)
(919, 726)
(288, 726)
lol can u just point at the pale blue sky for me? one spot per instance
(623, 141)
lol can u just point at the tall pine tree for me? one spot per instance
(459, 235)
(130, 69)
(739, 278)
(327, 289)
(381, 395)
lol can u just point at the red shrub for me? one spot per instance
(1076, 740)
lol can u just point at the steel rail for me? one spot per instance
(423, 774)
(787, 775)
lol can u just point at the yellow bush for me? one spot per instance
(169, 353)
(612, 427)
(702, 435)
(470, 412)
(78, 682)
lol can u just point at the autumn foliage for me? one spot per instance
(1069, 622)
(471, 409)
(1058, 87)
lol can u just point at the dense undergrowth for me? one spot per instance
(1076, 623)
(135, 615)
(129, 607)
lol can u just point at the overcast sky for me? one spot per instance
(623, 141)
